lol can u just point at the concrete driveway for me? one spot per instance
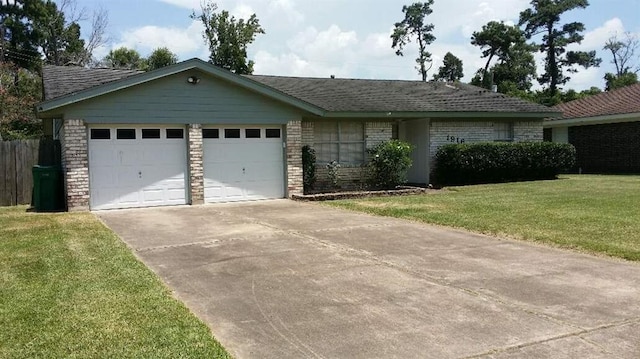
(280, 279)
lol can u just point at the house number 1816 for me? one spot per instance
(454, 139)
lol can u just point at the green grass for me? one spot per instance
(590, 213)
(69, 288)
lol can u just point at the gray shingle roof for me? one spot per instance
(352, 95)
(332, 95)
(59, 81)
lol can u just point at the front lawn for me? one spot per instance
(70, 288)
(591, 213)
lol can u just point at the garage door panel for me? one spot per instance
(137, 172)
(241, 169)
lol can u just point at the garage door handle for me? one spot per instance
(243, 170)
(140, 174)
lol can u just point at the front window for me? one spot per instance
(339, 141)
(503, 131)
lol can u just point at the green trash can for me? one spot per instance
(47, 188)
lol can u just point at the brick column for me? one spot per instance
(294, 158)
(196, 170)
(75, 164)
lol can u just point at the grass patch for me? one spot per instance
(69, 288)
(591, 213)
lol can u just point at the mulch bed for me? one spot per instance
(331, 196)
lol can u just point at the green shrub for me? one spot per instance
(389, 164)
(308, 167)
(492, 162)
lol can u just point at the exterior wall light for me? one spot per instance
(193, 80)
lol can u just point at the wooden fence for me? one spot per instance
(17, 159)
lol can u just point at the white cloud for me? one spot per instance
(285, 9)
(466, 16)
(187, 4)
(585, 79)
(327, 44)
(242, 11)
(596, 38)
(185, 42)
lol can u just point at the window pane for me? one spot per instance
(326, 152)
(232, 133)
(273, 133)
(325, 131)
(100, 134)
(150, 133)
(175, 133)
(252, 133)
(126, 134)
(352, 153)
(351, 131)
(503, 131)
(210, 133)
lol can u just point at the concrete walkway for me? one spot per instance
(280, 279)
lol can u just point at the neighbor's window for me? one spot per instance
(339, 141)
(503, 131)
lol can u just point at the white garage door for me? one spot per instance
(137, 166)
(243, 163)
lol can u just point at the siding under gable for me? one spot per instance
(173, 100)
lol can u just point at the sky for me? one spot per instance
(350, 38)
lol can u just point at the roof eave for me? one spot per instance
(45, 108)
(593, 120)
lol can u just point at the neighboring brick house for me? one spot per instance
(194, 133)
(604, 128)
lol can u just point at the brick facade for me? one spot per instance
(442, 132)
(75, 164)
(528, 131)
(294, 158)
(196, 170)
(607, 148)
(377, 132)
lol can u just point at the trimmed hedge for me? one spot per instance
(493, 162)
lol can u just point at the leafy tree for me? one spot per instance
(33, 30)
(543, 18)
(618, 81)
(412, 26)
(513, 74)
(571, 95)
(20, 90)
(507, 44)
(451, 69)
(60, 41)
(124, 58)
(623, 52)
(18, 34)
(228, 38)
(161, 57)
